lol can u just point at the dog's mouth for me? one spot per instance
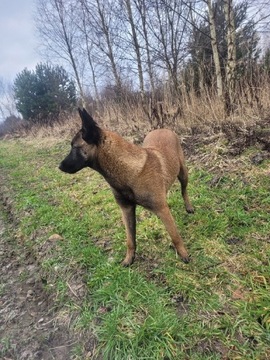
(67, 169)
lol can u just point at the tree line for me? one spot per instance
(144, 43)
(145, 48)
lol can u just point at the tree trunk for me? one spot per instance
(136, 46)
(231, 60)
(89, 56)
(213, 34)
(109, 52)
(60, 10)
(141, 6)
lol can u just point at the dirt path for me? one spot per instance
(29, 323)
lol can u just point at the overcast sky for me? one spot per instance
(18, 42)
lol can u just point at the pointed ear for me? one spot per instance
(91, 132)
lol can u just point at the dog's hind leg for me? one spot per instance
(165, 215)
(183, 178)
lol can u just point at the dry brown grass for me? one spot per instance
(64, 128)
(188, 114)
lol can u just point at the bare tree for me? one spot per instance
(7, 101)
(231, 59)
(88, 46)
(214, 45)
(168, 27)
(103, 22)
(56, 23)
(135, 43)
(141, 6)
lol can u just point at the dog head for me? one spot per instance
(84, 145)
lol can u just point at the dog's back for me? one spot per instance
(165, 144)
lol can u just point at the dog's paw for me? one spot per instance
(127, 262)
(186, 259)
(190, 210)
(184, 256)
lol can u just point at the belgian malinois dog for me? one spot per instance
(137, 175)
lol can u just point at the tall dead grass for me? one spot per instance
(190, 114)
(186, 114)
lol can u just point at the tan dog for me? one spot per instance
(137, 175)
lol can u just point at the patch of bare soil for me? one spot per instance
(30, 324)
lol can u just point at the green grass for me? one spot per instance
(216, 307)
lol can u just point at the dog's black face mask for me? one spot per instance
(83, 145)
(74, 161)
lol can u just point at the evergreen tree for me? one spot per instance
(41, 95)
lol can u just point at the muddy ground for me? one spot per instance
(30, 324)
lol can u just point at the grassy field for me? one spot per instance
(216, 307)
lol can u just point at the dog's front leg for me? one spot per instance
(165, 215)
(128, 209)
(129, 220)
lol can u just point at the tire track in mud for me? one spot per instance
(28, 325)
(31, 327)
